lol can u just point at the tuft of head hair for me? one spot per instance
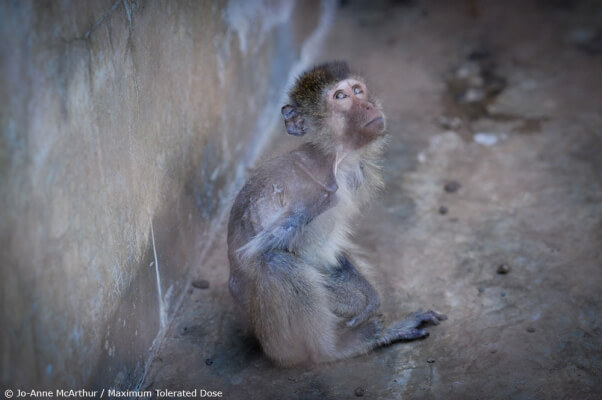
(309, 88)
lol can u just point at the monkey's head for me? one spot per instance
(335, 108)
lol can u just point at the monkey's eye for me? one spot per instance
(357, 90)
(339, 95)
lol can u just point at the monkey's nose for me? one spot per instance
(367, 106)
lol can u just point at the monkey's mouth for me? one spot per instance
(377, 119)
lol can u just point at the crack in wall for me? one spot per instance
(102, 19)
(162, 312)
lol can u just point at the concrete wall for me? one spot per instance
(121, 121)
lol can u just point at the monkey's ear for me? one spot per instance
(293, 120)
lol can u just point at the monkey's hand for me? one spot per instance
(372, 305)
(276, 236)
(352, 295)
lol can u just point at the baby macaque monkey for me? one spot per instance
(292, 268)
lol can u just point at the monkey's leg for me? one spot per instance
(352, 296)
(408, 328)
(289, 310)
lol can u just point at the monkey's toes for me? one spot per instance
(435, 317)
(441, 317)
(429, 316)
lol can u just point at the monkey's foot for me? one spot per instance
(407, 329)
(429, 316)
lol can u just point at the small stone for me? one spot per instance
(473, 95)
(503, 294)
(468, 69)
(476, 81)
(493, 351)
(201, 284)
(359, 391)
(430, 360)
(442, 210)
(481, 289)
(452, 123)
(530, 329)
(503, 269)
(485, 138)
(479, 55)
(581, 36)
(208, 361)
(452, 186)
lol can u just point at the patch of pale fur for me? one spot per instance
(263, 239)
(299, 332)
(330, 234)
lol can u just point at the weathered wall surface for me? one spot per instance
(124, 127)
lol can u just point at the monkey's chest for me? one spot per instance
(327, 236)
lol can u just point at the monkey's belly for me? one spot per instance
(324, 239)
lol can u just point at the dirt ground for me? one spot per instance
(505, 100)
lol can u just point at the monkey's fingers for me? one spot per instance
(364, 315)
(359, 319)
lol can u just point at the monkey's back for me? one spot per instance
(277, 190)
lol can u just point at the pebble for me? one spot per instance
(430, 360)
(473, 95)
(587, 39)
(201, 284)
(208, 361)
(530, 329)
(452, 123)
(503, 269)
(468, 70)
(479, 55)
(581, 36)
(452, 186)
(359, 391)
(481, 289)
(442, 210)
(485, 139)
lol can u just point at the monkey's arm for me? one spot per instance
(352, 296)
(278, 234)
(284, 205)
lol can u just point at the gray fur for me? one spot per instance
(293, 268)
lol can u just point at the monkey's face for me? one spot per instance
(352, 115)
